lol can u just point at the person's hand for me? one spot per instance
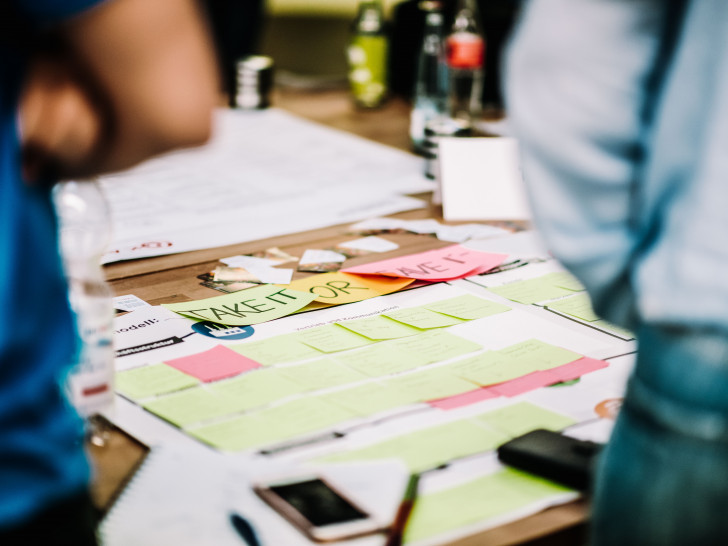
(60, 127)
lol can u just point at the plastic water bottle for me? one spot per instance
(465, 48)
(430, 93)
(85, 231)
(368, 55)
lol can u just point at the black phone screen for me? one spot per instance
(318, 503)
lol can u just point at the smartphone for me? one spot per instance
(316, 507)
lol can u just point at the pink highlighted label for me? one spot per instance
(216, 363)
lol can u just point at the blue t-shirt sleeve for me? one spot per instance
(51, 11)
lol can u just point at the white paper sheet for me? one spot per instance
(264, 174)
(481, 179)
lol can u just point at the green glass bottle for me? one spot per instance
(368, 56)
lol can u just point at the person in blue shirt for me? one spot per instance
(85, 87)
(621, 110)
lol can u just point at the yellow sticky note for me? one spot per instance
(423, 318)
(530, 291)
(491, 367)
(332, 338)
(542, 355)
(191, 406)
(337, 287)
(476, 501)
(322, 374)
(467, 307)
(236, 434)
(578, 306)
(564, 279)
(382, 359)
(276, 350)
(380, 327)
(437, 345)
(523, 417)
(428, 448)
(369, 398)
(251, 306)
(430, 384)
(257, 388)
(152, 380)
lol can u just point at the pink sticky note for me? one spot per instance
(580, 367)
(529, 382)
(464, 399)
(213, 364)
(442, 264)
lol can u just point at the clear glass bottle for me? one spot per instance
(429, 99)
(465, 48)
(85, 231)
(368, 55)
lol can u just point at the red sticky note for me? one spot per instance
(529, 382)
(464, 399)
(580, 367)
(442, 264)
(216, 363)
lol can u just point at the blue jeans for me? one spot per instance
(663, 478)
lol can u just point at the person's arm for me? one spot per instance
(139, 79)
(578, 87)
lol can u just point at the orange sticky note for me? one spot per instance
(337, 287)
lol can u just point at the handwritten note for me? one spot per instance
(332, 338)
(380, 327)
(428, 448)
(322, 374)
(213, 364)
(258, 388)
(523, 417)
(276, 350)
(423, 318)
(468, 307)
(578, 306)
(147, 381)
(430, 384)
(251, 306)
(531, 291)
(192, 406)
(338, 287)
(452, 262)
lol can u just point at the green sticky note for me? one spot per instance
(476, 501)
(276, 350)
(530, 291)
(422, 318)
(490, 368)
(564, 279)
(332, 338)
(245, 307)
(623, 332)
(380, 327)
(369, 398)
(430, 384)
(428, 448)
(436, 345)
(543, 356)
(236, 434)
(468, 307)
(523, 417)
(382, 359)
(322, 374)
(257, 388)
(191, 406)
(152, 380)
(302, 417)
(578, 306)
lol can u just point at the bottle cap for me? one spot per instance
(253, 82)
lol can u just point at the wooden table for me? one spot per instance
(173, 278)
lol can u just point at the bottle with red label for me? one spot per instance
(465, 48)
